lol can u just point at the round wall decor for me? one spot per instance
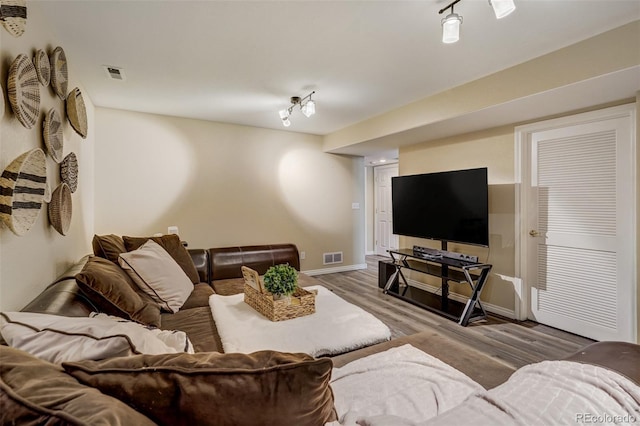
(69, 171)
(59, 72)
(60, 209)
(43, 67)
(22, 189)
(24, 90)
(1, 101)
(47, 193)
(13, 15)
(53, 137)
(77, 113)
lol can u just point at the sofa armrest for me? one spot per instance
(226, 262)
(200, 259)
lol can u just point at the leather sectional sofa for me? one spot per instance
(218, 270)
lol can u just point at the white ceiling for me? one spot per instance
(241, 61)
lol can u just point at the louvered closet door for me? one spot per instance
(579, 256)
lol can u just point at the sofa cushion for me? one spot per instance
(158, 275)
(112, 291)
(56, 338)
(198, 324)
(108, 246)
(199, 297)
(274, 388)
(172, 244)
(33, 391)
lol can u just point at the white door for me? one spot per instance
(384, 238)
(580, 235)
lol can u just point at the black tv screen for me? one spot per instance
(448, 206)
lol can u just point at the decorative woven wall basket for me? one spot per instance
(1, 101)
(77, 113)
(52, 133)
(23, 88)
(22, 189)
(43, 67)
(69, 171)
(59, 72)
(13, 15)
(301, 303)
(60, 209)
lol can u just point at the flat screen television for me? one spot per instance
(448, 206)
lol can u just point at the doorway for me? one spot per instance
(384, 239)
(577, 236)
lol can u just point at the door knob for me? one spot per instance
(533, 233)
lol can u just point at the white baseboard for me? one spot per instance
(489, 307)
(345, 268)
(370, 253)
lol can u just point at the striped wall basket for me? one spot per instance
(59, 72)
(23, 88)
(69, 171)
(22, 189)
(43, 67)
(77, 113)
(13, 15)
(52, 134)
(60, 209)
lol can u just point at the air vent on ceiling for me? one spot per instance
(114, 73)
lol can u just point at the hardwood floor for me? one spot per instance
(515, 343)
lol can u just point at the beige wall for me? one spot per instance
(226, 185)
(31, 262)
(493, 149)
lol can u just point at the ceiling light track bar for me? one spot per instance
(441, 11)
(306, 104)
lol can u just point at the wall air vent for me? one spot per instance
(331, 258)
(114, 73)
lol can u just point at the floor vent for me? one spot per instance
(114, 73)
(331, 258)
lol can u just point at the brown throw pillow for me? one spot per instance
(113, 292)
(172, 244)
(262, 388)
(108, 247)
(33, 391)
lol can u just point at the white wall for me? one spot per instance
(226, 185)
(31, 262)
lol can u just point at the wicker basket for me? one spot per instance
(301, 303)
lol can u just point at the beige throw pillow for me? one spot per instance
(158, 275)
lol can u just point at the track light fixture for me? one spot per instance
(451, 23)
(306, 104)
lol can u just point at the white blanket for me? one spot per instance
(552, 393)
(406, 387)
(336, 327)
(400, 386)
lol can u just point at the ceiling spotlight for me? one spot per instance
(451, 27)
(309, 108)
(502, 8)
(451, 23)
(306, 104)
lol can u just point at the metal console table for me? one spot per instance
(454, 270)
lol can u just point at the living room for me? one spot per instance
(224, 183)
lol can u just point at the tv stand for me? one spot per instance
(436, 264)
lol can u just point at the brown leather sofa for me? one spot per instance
(219, 270)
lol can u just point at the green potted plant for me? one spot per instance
(281, 281)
